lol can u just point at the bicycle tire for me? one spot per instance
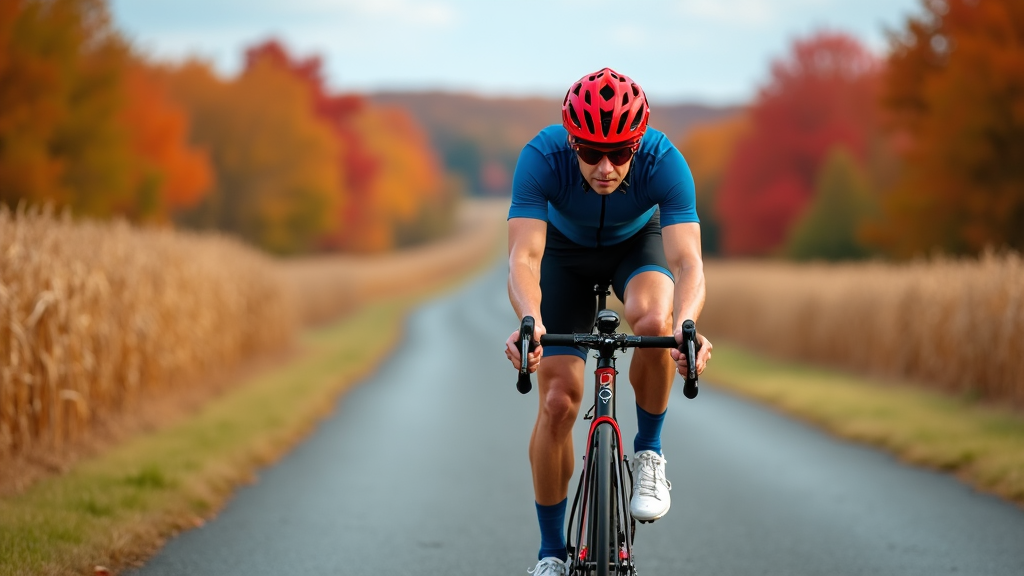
(605, 549)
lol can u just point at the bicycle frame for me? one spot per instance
(604, 531)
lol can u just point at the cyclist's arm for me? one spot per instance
(682, 250)
(526, 239)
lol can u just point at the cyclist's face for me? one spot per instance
(604, 177)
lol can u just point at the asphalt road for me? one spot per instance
(423, 470)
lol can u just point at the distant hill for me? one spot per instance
(480, 138)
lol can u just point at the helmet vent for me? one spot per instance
(586, 96)
(606, 122)
(639, 116)
(572, 116)
(614, 75)
(622, 122)
(590, 121)
(625, 99)
(636, 90)
(576, 90)
(607, 93)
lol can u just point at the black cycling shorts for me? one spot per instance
(568, 273)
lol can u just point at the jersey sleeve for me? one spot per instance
(530, 183)
(673, 184)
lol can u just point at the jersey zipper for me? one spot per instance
(600, 225)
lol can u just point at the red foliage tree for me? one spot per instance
(822, 95)
(954, 88)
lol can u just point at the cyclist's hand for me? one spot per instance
(533, 358)
(703, 355)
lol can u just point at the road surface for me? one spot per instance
(423, 470)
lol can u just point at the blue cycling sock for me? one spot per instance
(648, 430)
(552, 531)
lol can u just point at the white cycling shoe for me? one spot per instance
(550, 566)
(650, 499)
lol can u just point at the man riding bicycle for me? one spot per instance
(601, 198)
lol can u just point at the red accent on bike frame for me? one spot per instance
(606, 376)
(623, 555)
(608, 419)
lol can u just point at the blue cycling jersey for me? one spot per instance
(549, 186)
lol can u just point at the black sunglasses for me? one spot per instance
(593, 156)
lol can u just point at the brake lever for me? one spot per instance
(691, 345)
(524, 384)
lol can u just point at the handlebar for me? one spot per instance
(690, 346)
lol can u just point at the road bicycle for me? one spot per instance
(600, 541)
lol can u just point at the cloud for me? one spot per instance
(430, 13)
(745, 13)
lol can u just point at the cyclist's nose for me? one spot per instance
(605, 166)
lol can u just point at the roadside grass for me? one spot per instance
(115, 510)
(982, 444)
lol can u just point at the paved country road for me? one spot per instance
(423, 470)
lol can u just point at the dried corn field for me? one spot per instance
(98, 318)
(95, 318)
(955, 325)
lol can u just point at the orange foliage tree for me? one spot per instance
(407, 182)
(390, 174)
(954, 91)
(82, 126)
(170, 175)
(822, 95)
(277, 175)
(60, 66)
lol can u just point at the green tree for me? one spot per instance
(842, 201)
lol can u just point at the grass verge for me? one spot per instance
(983, 445)
(116, 509)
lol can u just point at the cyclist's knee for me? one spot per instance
(652, 323)
(560, 407)
(560, 402)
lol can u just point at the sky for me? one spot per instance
(714, 52)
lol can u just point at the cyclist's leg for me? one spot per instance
(647, 288)
(567, 306)
(648, 300)
(560, 388)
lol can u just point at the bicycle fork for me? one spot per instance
(605, 530)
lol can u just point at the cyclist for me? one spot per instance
(601, 197)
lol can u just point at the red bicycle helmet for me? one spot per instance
(605, 108)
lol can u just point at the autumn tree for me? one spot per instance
(390, 177)
(954, 90)
(60, 138)
(276, 166)
(707, 148)
(407, 184)
(169, 175)
(821, 95)
(81, 123)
